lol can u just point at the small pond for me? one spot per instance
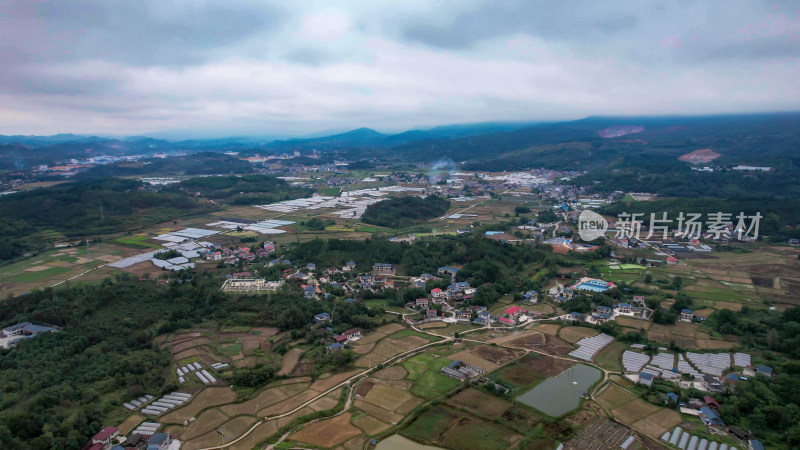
(557, 395)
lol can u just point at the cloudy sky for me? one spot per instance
(201, 68)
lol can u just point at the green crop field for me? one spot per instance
(437, 381)
(231, 350)
(28, 277)
(138, 240)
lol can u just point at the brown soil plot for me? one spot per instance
(575, 334)
(210, 396)
(481, 403)
(370, 425)
(207, 421)
(290, 361)
(328, 433)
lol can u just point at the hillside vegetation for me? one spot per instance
(195, 164)
(85, 208)
(405, 211)
(243, 190)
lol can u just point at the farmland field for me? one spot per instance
(480, 402)
(327, 433)
(609, 357)
(575, 334)
(530, 370)
(454, 429)
(207, 398)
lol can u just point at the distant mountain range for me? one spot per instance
(582, 144)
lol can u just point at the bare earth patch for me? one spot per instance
(702, 156)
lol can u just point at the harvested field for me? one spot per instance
(483, 404)
(293, 389)
(357, 443)
(519, 338)
(684, 329)
(656, 424)
(613, 396)
(390, 328)
(262, 432)
(324, 403)
(290, 360)
(634, 410)
(433, 325)
(496, 355)
(370, 425)
(327, 433)
(575, 334)
(185, 344)
(369, 339)
(288, 404)
(363, 349)
(265, 398)
(239, 425)
(206, 421)
(396, 372)
(555, 346)
(130, 423)
(406, 407)
(208, 397)
(548, 328)
(324, 384)
(471, 358)
(209, 439)
(203, 352)
(383, 351)
(705, 312)
(633, 323)
(378, 412)
(283, 421)
(408, 342)
(387, 397)
(397, 384)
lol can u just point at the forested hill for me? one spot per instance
(243, 190)
(405, 211)
(603, 142)
(85, 208)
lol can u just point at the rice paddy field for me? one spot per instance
(644, 417)
(724, 280)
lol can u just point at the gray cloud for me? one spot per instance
(253, 67)
(137, 32)
(567, 21)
